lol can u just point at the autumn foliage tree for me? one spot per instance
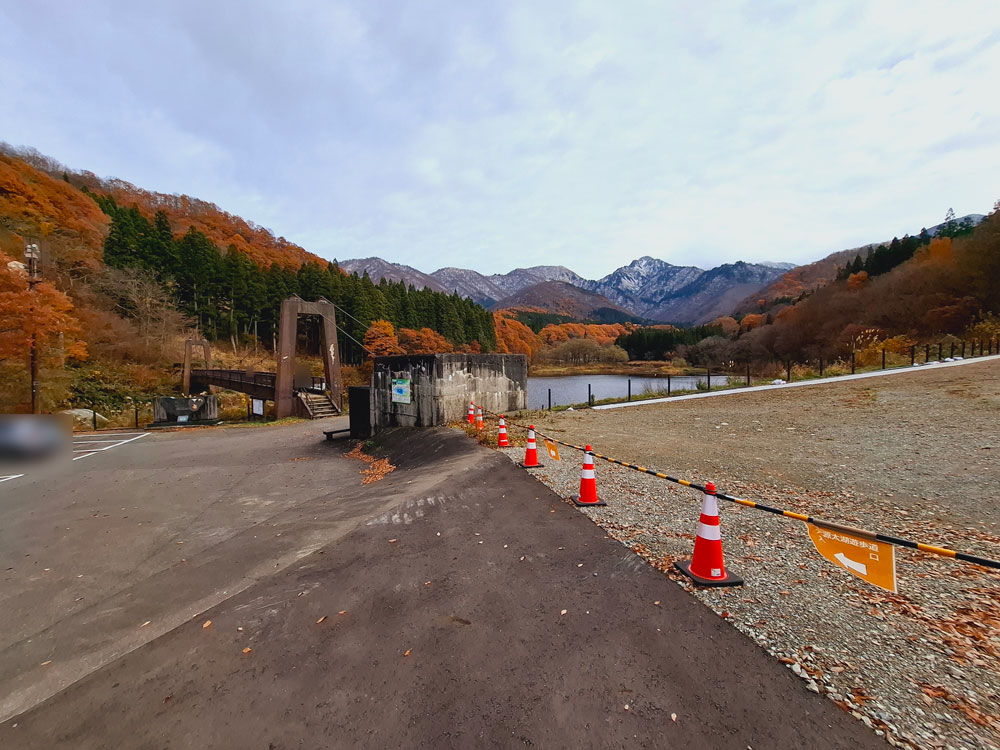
(42, 316)
(380, 339)
(514, 337)
(424, 341)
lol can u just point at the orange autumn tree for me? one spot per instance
(602, 333)
(44, 313)
(381, 340)
(424, 341)
(513, 336)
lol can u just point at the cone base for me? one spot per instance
(578, 504)
(533, 466)
(731, 579)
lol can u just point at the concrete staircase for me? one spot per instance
(318, 405)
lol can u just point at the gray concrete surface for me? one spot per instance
(442, 385)
(156, 530)
(426, 610)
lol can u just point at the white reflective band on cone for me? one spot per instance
(587, 474)
(712, 533)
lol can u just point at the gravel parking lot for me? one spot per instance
(915, 454)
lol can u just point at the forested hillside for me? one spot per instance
(925, 289)
(229, 296)
(127, 274)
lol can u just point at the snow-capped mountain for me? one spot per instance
(641, 284)
(646, 287)
(378, 269)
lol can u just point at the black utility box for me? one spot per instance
(359, 404)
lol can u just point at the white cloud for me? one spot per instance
(494, 135)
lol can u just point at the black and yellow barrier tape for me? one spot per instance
(875, 536)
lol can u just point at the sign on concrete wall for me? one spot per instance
(423, 390)
(400, 390)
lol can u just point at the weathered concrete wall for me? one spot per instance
(443, 384)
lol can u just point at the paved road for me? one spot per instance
(154, 530)
(452, 633)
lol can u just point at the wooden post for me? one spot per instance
(927, 353)
(913, 355)
(708, 373)
(852, 363)
(630, 389)
(748, 374)
(550, 399)
(668, 384)
(821, 367)
(788, 371)
(939, 351)
(590, 396)
(883, 359)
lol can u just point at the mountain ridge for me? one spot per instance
(647, 287)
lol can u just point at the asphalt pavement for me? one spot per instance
(455, 603)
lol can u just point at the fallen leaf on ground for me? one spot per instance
(320, 619)
(564, 612)
(626, 706)
(247, 650)
(207, 624)
(407, 652)
(342, 612)
(673, 717)
(393, 541)
(44, 663)
(656, 603)
(427, 583)
(145, 623)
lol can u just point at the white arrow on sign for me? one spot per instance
(850, 564)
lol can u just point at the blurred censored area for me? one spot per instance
(28, 439)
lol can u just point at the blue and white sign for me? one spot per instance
(400, 390)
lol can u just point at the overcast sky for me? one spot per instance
(493, 135)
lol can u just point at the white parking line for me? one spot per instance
(115, 444)
(77, 458)
(8, 477)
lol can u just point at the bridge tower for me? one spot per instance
(291, 309)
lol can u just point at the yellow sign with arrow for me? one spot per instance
(868, 559)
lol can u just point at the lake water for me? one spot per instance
(572, 389)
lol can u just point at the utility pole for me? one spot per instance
(32, 254)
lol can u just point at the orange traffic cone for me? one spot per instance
(472, 412)
(479, 418)
(588, 482)
(531, 452)
(706, 567)
(502, 434)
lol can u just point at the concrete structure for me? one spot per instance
(188, 410)
(286, 403)
(441, 386)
